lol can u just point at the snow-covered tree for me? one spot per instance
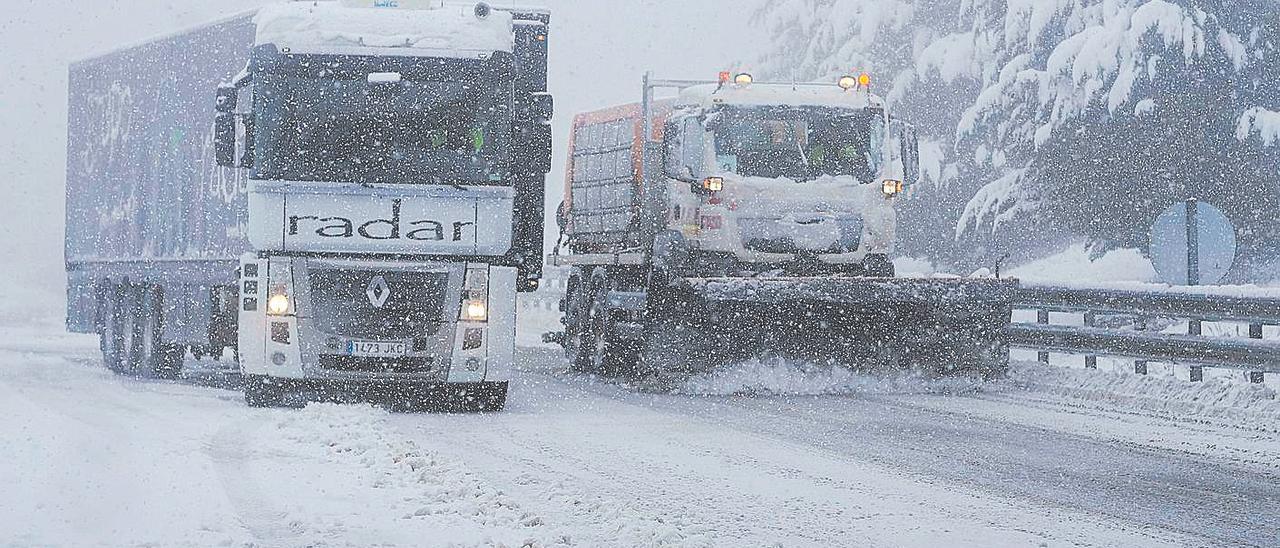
(1046, 120)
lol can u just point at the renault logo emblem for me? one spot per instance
(378, 292)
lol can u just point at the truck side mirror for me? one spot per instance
(224, 139)
(227, 99)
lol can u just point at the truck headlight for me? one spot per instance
(892, 188)
(475, 294)
(278, 305)
(475, 311)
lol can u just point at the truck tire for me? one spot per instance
(157, 358)
(131, 331)
(262, 392)
(577, 304)
(608, 355)
(114, 320)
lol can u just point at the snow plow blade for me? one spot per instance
(941, 326)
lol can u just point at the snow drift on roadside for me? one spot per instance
(777, 376)
(1239, 405)
(1076, 265)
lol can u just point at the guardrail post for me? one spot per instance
(1140, 324)
(1042, 317)
(1256, 377)
(1090, 320)
(1195, 373)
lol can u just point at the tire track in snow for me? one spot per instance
(566, 443)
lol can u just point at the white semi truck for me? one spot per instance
(355, 214)
(742, 218)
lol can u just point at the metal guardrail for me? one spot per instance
(1253, 355)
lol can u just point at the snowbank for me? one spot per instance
(776, 376)
(1119, 270)
(327, 25)
(1239, 405)
(1076, 265)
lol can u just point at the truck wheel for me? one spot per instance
(131, 331)
(111, 338)
(608, 355)
(158, 359)
(576, 321)
(262, 392)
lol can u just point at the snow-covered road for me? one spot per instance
(91, 459)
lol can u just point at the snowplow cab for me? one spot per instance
(742, 218)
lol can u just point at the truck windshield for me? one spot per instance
(381, 128)
(799, 143)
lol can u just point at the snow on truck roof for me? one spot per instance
(762, 94)
(410, 24)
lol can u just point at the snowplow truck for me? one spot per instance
(348, 194)
(742, 219)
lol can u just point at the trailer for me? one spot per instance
(346, 195)
(742, 218)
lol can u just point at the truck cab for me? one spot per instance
(396, 154)
(762, 176)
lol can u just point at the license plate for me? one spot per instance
(371, 349)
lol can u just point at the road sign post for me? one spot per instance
(1193, 242)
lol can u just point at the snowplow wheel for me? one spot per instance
(576, 319)
(607, 354)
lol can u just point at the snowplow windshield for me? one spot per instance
(799, 143)
(367, 126)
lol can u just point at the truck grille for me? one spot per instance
(377, 365)
(378, 305)
(768, 236)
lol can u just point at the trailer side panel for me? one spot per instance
(146, 202)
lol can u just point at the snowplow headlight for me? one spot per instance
(892, 188)
(743, 79)
(848, 82)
